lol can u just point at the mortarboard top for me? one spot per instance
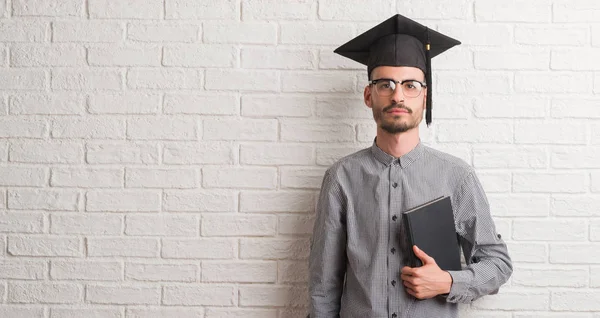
(399, 41)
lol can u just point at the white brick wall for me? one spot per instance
(162, 158)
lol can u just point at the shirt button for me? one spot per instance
(499, 236)
(393, 250)
(394, 315)
(393, 283)
(395, 184)
(394, 218)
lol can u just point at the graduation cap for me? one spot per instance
(399, 41)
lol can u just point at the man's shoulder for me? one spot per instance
(447, 160)
(352, 160)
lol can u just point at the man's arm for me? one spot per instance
(327, 262)
(486, 255)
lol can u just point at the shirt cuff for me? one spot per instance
(461, 280)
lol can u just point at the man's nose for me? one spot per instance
(398, 95)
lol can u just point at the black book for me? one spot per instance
(430, 227)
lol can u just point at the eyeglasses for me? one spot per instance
(386, 87)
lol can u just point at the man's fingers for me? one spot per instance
(426, 259)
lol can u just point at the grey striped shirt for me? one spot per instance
(358, 247)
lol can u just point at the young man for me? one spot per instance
(359, 251)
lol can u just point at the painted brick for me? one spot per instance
(161, 272)
(273, 296)
(81, 80)
(161, 178)
(280, 201)
(200, 201)
(86, 178)
(322, 81)
(576, 12)
(23, 79)
(49, 200)
(85, 312)
(60, 55)
(239, 272)
(122, 201)
(442, 9)
(519, 205)
(510, 107)
(479, 132)
(552, 82)
(185, 153)
(23, 270)
(194, 55)
(240, 129)
(292, 272)
(123, 295)
(202, 10)
(263, 178)
(276, 105)
(126, 153)
(23, 31)
(86, 270)
(513, 11)
(549, 230)
(44, 246)
(278, 10)
(171, 128)
(88, 224)
(160, 312)
(204, 248)
(111, 55)
(68, 8)
(575, 205)
(202, 295)
(131, 9)
(276, 58)
(575, 300)
(87, 31)
(586, 108)
(164, 78)
(242, 80)
(126, 247)
(549, 182)
(301, 178)
(46, 152)
(528, 252)
(564, 253)
(541, 132)
(270, 248)
(44, 293)
(89, 128)
(355, 10)
(209, 104)
(23, 177)
(303, 33)
(551, 34)
(161, 225)
(276, 154)
(243, 32)
(510, 157)
(163, 32)
(311, 131)
(294, 224)
(516, 300)
(233, 225)
(47, 104)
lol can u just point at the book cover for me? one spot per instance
(430, 226)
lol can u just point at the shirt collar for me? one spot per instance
(403, 161)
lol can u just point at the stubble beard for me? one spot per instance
(391, 124)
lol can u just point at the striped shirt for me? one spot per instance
(358, 246)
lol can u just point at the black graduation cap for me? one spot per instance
(399, 41)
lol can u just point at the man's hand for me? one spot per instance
(426, 281)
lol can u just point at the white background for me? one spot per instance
(162, 158)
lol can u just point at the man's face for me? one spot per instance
(396, 113)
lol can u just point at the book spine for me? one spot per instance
(412, 258)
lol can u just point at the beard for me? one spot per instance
(391, 124)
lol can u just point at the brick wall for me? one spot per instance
(162, 158)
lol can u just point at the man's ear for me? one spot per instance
(424, 99)
(367, 96)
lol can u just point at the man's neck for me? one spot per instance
(397, 145)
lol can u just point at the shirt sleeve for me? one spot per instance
(486, 254)
(327, 261)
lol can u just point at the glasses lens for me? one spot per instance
(412, 88)
(385, 87)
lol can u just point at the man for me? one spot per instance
(359, 252)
